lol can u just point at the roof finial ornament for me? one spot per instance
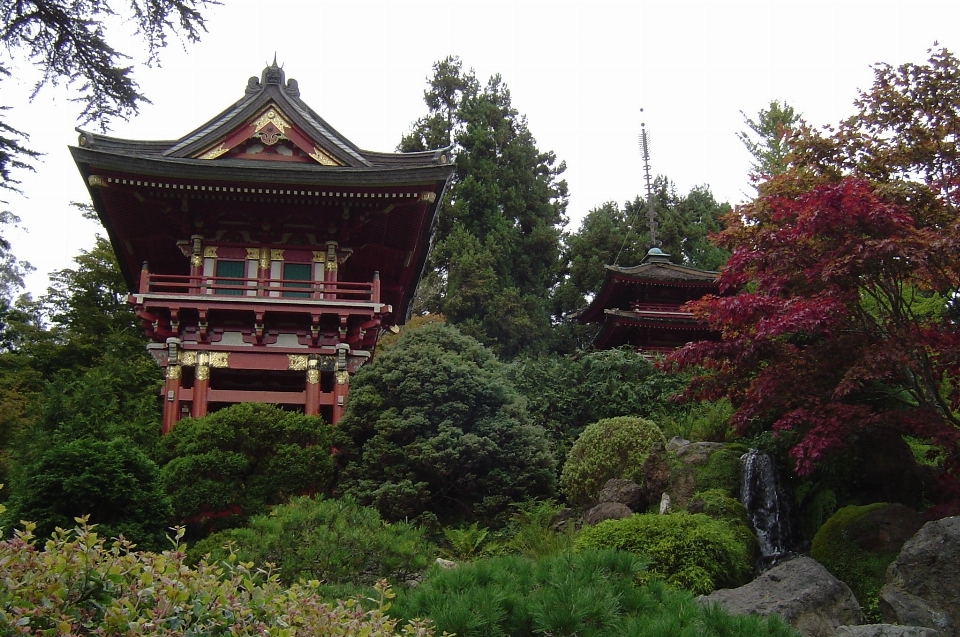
(651, 211)
(273, 74)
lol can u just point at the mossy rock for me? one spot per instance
(844, 547)
(704, 466)
(722, 472)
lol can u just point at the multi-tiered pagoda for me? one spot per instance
(643, 306)
(264, 251)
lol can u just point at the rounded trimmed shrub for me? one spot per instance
(334, 541)
(690, 551)
(609, 448)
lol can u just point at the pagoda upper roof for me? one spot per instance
(271, 105)
(270, 169)
(620, 284)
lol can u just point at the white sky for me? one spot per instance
(579, 70)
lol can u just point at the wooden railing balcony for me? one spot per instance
(240, 288)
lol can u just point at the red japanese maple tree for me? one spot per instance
(839, 305)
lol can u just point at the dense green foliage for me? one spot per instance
(498, 250)
(694, 552)
(564, 394)
(334, 541)
(221, 469)
(113, 482)
(865, 572)
(433, 425)
(607, 449)
(589, 594)
(77, 585)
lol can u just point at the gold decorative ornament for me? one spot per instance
(328, 363)
(319, 256)
(271, 116)
(253, 254)
(196, 260)
(203, 372)
(322, 158)
(220, 360)
(96, 181)
(213, 153)
(276, 255)
(189, 359)
(343, 377)
(429, 197)
(298, 362)
(210, 252)
(313, 376)
(173, 372)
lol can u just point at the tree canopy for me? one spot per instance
(768, 138)
(497, 252)
(67, 40)
(838, 311)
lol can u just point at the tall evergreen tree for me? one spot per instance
(768, 137)
(498, 252)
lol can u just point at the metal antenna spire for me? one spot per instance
(651, 211)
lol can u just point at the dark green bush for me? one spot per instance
(334, 541)
(221, 469)
(589, 594)
(433, 426)
(694, 552)
(609, 448)
(113, 482)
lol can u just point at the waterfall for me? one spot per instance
(767, 509)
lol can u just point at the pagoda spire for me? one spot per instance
(651, 210)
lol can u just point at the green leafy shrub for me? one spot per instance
(609, 448)
(113, 482)
(863, 571)
(694, 552)
(77, 585)
(532, 531)
(221, 469)
(703, 421)
(434, 426)
(333, 541)
(588, 594)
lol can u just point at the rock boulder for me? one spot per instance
(800, 591)
(923, 583)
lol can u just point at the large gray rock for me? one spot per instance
(885, 630)
(606, 511)
(625, 492)
(923, 583)
(800, 591)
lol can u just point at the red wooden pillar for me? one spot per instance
(201, 384)
(196, 264)
(341, 388)
(330, 271)
(312, 405)
(171, 397)
(341, 384)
